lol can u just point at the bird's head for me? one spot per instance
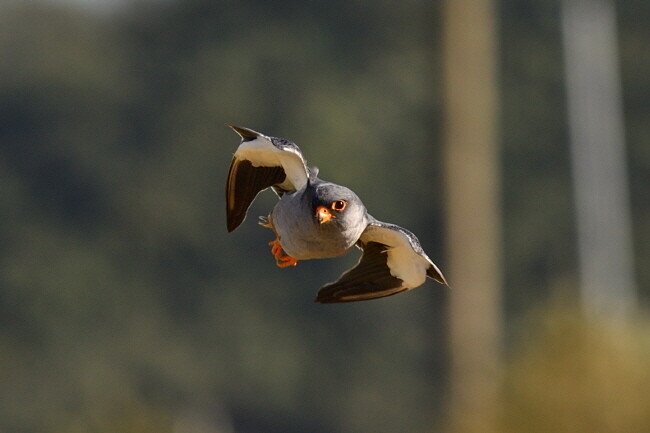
(336, 205)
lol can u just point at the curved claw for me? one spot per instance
(282, 259)
(286, 261)
(265, 222)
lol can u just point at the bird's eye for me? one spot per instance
(339, 205)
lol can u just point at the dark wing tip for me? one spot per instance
(361, 292)
(245, 133)
(434, 273)
(236, 206)
(234, 217)
(232, 222)
(244, 182)
(369, 279)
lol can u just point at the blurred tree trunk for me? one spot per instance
(595, 110)
(473, 217)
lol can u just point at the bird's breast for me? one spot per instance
(302, 237)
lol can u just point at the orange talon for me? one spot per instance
(276, 249)
(286, 261)
(282, 259)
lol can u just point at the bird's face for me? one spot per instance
(337, 206)
(326, 213)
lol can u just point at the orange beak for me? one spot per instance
(323, 214)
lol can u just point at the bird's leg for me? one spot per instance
(282, 259)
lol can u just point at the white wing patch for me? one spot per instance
(403, 261)
(261, 152)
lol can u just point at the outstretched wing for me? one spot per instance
(261, 162)
(393, 261)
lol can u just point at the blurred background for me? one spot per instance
(125, 306)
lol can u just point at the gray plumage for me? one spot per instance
(319, 219)
(303, 237)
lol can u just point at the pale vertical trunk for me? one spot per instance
(473, 211)
(595, 111)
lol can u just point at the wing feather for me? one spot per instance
(369, 279)
(261, 162)
(393, 261)
(244, 183)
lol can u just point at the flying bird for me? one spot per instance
(316, 219)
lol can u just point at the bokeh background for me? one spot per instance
(125, 306)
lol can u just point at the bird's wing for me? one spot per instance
(392, 261)
(258, 163)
